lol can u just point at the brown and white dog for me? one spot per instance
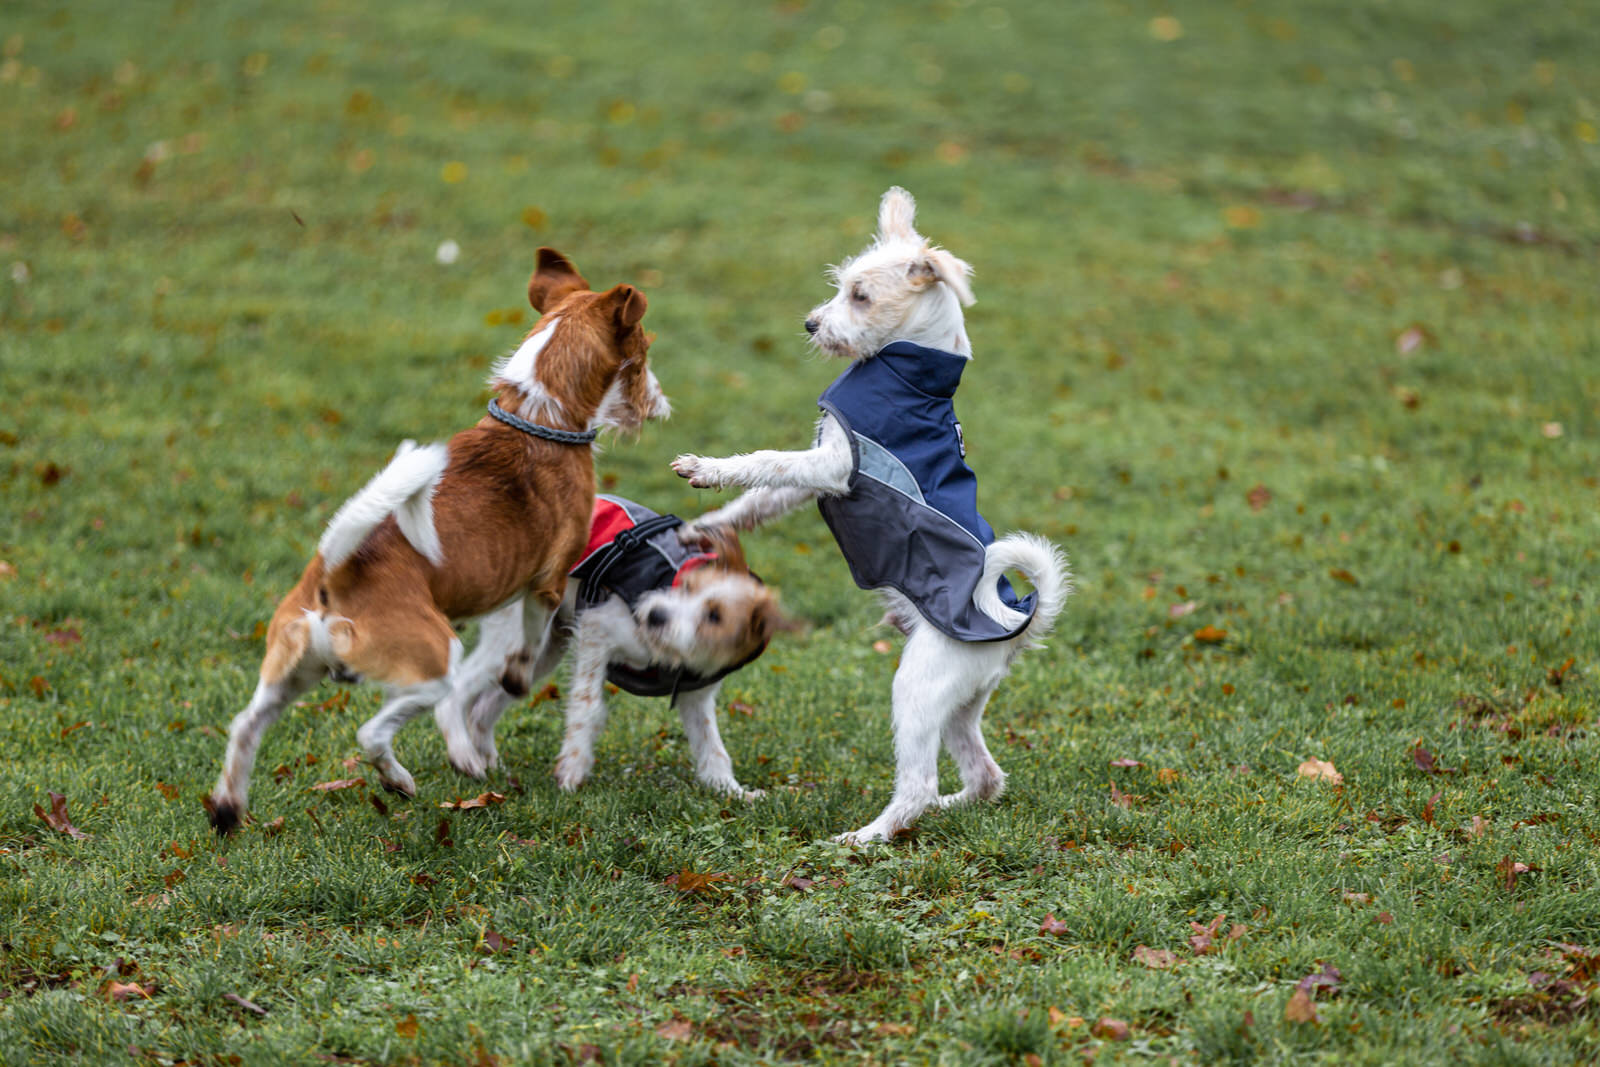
(644, 613)
(498, 515)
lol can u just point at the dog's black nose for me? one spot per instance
(811, 326)
(656, 617)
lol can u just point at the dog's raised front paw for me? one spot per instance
(698, 470)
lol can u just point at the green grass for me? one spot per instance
(1198, 260)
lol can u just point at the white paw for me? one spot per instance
(572, 768)
(867, 835)
(395, 777)
(751, 795)
(467, 760)
(699, 470)
(953, 800)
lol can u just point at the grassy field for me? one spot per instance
(1288, 332)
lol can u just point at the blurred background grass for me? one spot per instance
(1286, 326)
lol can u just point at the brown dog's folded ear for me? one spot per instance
(554, 277)
(628, 304)
(767, 618)
(725, 543)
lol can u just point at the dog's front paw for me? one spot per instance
(700, 471)
(572, 767)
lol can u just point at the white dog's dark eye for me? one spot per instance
(859, 295)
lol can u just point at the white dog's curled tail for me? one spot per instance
(404, 489)
(1042, 564)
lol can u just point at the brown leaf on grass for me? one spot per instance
(273, 828)
(482, 800)
(1126, 762)
(125, 990)
(248, 1005)
(691, 883)
(1178, 611)
(441, 834)
(795, 881)
(740, 707)
(677, 1029)
(1339, 574)
(1509, 870)
(337, 783)
(168, 791)
(1355, 899)
(408, 1027)
(1109, 1029)
(1300, 1008)
(1258, 497)
(1210, 938)
(1320, 771)
(1427, 809)
(64, 638)
(1327, 979)
(1426, 763)
(74, 728)
(1120, 799)
(1158, 959)
(377, 802)
(894, 1029)
(1052, 925)
(56, 818)
(1384, 918)
(1210, 635)
(1478, 827)
(7, 570)
(1411, 338)
(1167, 775)
(494, 941)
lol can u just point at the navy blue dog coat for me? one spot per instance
(910, 520)
(633, 551)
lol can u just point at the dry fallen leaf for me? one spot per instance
(691, 882)
(407, 1027)
(248, 1005)
(678, 1029)
(124, 990)
(1109, 1029)
(1339, 574)
(482, 800)
(1155, 958)
(1210, 635)
(1178, 611)
(56, 817)
(1300, 1009)
(1320, 770)
(494, 941)
(1258, 497)
(338, 783)
(1052, 925)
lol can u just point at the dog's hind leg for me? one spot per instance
(522, 671)
(929, 689)
(981, 776)
(285, 674)
(499, 640)
(417, 658)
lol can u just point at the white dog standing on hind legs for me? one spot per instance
(888, 473)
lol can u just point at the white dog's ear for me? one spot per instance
(937, 265)
(896, 213)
